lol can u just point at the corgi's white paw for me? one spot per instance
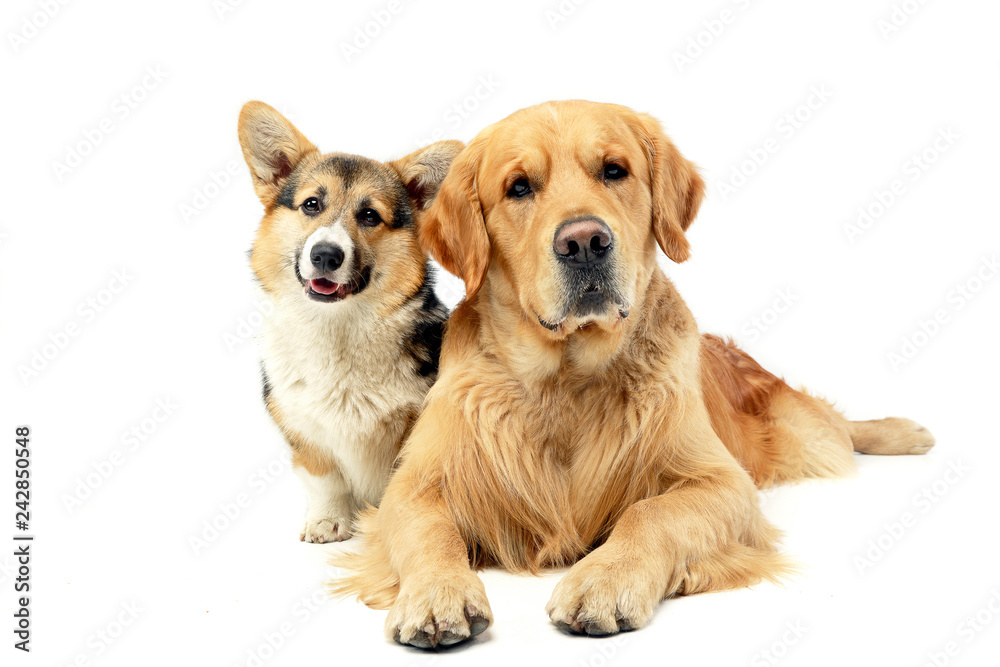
(320, 530)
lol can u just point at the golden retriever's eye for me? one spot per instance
(311, 206)
(369, 217)
(520, 188)
(614, 172)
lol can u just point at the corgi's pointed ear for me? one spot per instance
(422, 171)
(677, 189)
(453, 230)
(272, 147)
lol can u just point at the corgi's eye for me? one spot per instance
(520, 188)
(369, 217)
(311, 206)
(614, 172)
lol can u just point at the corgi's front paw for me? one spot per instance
(320, 530)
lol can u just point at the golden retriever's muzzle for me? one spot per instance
(585, 251)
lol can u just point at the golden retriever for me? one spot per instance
(579, 417)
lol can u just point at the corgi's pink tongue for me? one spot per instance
(323, 286)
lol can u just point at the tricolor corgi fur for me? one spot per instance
(351, 346)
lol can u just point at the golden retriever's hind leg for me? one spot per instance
(815, 432)
(890, 436)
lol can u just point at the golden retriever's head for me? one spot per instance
(559, 209)
(337, 228)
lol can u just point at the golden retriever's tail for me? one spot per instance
(737, 565)
(733, 569)
(372, 579)
(889, 436)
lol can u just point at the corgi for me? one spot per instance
(350, 347)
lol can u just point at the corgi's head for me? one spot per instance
(337, 227)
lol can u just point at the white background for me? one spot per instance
(143, 201)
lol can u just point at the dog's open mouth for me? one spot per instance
(321, 289)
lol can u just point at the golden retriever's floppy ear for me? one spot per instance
(453, 230)
(272, 148)
(423, 171)
(677, 189)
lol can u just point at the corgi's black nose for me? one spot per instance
(326, 257)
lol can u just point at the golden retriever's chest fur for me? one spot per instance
(548, 488)
(555, 465)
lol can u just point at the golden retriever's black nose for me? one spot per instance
(326, 257)
(582, 242)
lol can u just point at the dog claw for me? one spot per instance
(477, 622)
(423, 640)
(429, 621)
(449, 638)
(574, 625)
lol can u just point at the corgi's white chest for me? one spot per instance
(346, 385)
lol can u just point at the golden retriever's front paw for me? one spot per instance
(601, 596)
(321, 530)
(439, 611)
